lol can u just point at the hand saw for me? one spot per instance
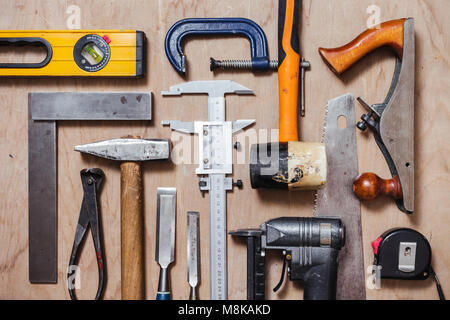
(74, 53)
(337, 198)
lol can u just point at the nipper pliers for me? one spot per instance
(91, 180)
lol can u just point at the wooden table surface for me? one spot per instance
(323, 23)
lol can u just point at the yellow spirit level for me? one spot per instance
(98, 53)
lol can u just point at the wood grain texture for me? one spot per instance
(389, 33)
(369, 186)
(132, 232)
(324, 23)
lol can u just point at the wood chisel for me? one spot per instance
(165, 238)
(78, 53)
(193, 254)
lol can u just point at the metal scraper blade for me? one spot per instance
(337, 198)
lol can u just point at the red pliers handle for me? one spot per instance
(89, 217)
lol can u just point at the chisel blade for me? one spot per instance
(337, 198)
(165, 226)
(192, 249)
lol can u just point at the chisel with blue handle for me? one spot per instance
(165, 238)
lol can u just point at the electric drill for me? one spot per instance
(310, 247)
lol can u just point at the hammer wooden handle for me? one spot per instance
(369, 186)
(288, 69)
(388, 34)
(132, 231)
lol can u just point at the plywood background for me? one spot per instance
(323, 23)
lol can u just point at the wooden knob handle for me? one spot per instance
(132, 231)
(388, 34)
(288, 69)
(369, 186)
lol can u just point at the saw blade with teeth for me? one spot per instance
(325, 118)
(337, 198)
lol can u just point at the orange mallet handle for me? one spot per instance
(288, 68)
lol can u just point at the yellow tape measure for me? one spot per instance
(108, 53)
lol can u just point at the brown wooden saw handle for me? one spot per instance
(389, 33)
(369, 186)
(132, 231)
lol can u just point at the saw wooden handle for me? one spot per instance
(369, 186)
(389, 33)
(288, 69)
(132, 231)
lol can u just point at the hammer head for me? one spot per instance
(127, 149)
(291, 165)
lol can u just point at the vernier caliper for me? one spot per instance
(215, 161)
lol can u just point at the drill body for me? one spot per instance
(310, 247)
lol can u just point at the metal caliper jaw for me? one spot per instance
(188, 127)
(215, 135)
(214, 88)
(215, 161)
(215, 147)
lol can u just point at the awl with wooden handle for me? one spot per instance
(165, 238)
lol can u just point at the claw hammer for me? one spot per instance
(289, 163)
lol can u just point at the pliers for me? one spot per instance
(91, 180)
